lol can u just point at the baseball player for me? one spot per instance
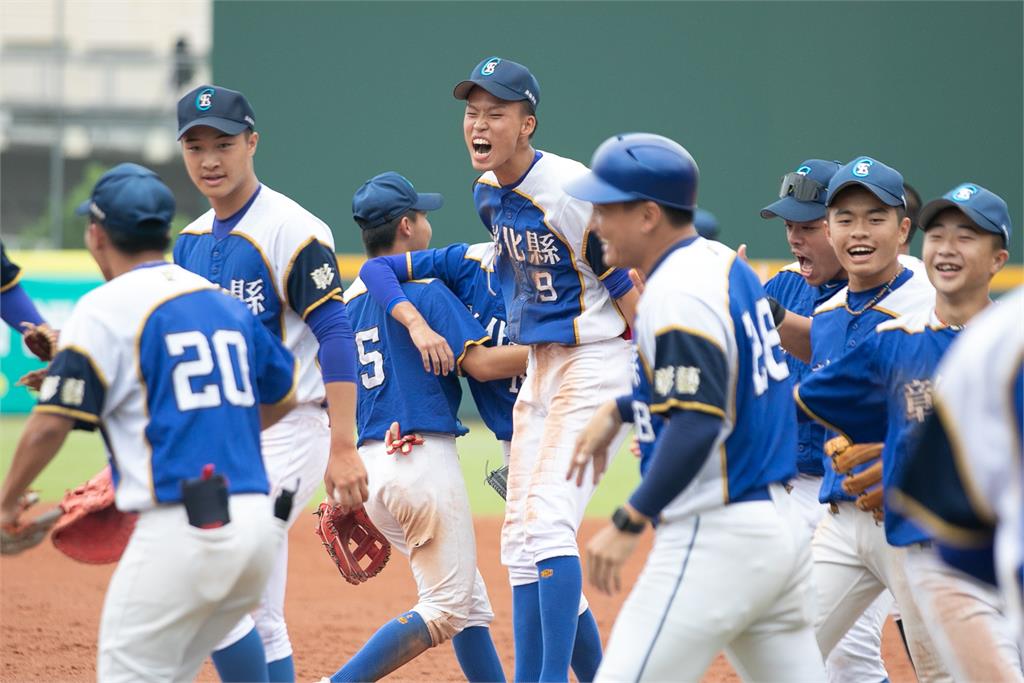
(710, 364)
(178, 377)
(418, 498)
(853, 564)
(560, 298)
(813, 278)
(889, 379)
(278, 259)
(962, 480)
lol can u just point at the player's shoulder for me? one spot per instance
(915, 322)
(200, 226)
(788, 279)
(483, 253)
(274, 214)
(699, 269)
(354, 291)
(912, 295)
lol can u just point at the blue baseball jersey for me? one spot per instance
(392, 384)
(706, 341)
(172, 371)
(843, 324)
(550, 266)
(468, 271)
(790, 289)
(889, 380)
(279, 260)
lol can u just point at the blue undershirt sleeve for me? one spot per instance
(329, 324)
(618, 283)
(625, 405)
(16, 308)
(382, 276)
(682, 448)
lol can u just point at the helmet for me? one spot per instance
(638, 166)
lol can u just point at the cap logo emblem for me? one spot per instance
(489, 66)
(204, 100)
(964, 193)
(862, 168)
(803, 170)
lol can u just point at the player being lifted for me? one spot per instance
(731, 564)
(418, 500)
(890, 380)
(279, 259)
(560, 298)
(178, 377)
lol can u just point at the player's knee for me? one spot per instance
(274, 634)
(446, 617)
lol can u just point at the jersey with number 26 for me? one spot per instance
(172, 371)
(706, 341)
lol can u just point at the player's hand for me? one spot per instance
(593, 443)
(634, 447)
(742, 253)
(606, 553)
(345, 478)
(33, 379)
(434, 350)
(639, 280)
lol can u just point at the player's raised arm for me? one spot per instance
(486, 363)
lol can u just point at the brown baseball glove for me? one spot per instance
(32, 379)
(866, 484)
(22, 535)
(91, 529)
(358, 549)
(41, 340)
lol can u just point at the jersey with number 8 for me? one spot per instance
(697, 342)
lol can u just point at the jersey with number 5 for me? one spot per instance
(706, 341)
(391, 384)
(172, 370)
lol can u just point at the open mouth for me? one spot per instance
(860, 252)
(806, 265)
(481, 146)
(213, 179)
(948, 268)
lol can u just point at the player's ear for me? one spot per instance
(904, 229)
(999, 258)
(528, 126)
(251, 141)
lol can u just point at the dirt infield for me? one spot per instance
(50, 607)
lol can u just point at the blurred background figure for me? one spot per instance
(706, 224)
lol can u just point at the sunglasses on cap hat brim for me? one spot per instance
(801, 188)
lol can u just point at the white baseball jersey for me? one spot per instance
(172, 371)
(279, 260)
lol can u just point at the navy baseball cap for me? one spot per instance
(883, 181)
(209, 105)
(503, 78)
(802, 195)
(986, 209)
(130, 199)
(706, 224)
(387, 196)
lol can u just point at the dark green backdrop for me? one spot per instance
(344, 90)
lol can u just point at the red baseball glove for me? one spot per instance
(355, 545)
(91, 529)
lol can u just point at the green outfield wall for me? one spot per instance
(345, 90)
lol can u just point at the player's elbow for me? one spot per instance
(486, 364)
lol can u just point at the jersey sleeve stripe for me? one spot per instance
(465, 348)
(319, 302)
(408, 265)
(816, 418)
(665, 406)
(695, 332)
(950, 533)
(92, 363)
(67, 412)
(14, 281)
(974, 492)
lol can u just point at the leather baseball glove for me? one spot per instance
(20, 536)
(358, 549)
(41, 340)
(92, 529)
(866, 484)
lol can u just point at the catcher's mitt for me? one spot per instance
(20, 536)
(866, 485)
(498, 480)
(91, 529)
(350, 538)
(397, 443)
(41, 340)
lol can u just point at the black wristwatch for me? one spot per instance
(622, 522)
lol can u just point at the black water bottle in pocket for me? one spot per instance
(206, 499)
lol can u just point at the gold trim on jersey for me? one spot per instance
(731, 405)
(699, 406)
(14, 281)
(646, 366)
(288, 273)
(937, 525)
(92, 363)
(465, 347)
(975, 495)
(319, 302)
(803, 406)
(586, 240)
(691, 331)
(295, 382)
(408, 265)
(67, 412)
(282, 302)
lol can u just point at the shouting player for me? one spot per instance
(178, 377)
(710, 364)
(800, 288)
(278, 258)
(418, 499)
(889, 380)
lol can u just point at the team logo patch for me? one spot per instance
(918, 397)
(489, 66)
(547, 573)
(49, 387)
(204, 100)
(862, 168)
(964, 193)
(803, 170)
(322, 276)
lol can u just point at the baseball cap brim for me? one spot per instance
(933, 208)
(790, 209)
(223, 125)
(83, 208)
(428, 201)
(884, 195)
(461, 91)
(592, 189)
